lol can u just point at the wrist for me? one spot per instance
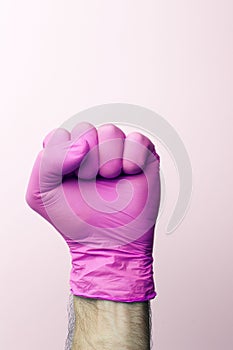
(112, 274)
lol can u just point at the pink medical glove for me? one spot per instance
(100, 190)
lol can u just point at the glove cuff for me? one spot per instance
(109, 274)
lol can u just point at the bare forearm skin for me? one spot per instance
(110, 325)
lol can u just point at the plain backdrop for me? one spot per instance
(171, 56)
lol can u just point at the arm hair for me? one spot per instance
(108, 325)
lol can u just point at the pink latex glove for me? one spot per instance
(101, 191)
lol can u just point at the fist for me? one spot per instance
(97, 186)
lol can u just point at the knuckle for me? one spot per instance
(110, 130)
(138, 137)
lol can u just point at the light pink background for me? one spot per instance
(174, 57)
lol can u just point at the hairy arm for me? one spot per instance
(110, 325)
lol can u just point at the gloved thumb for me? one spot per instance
(61, 156)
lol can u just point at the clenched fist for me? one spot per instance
(100, 189)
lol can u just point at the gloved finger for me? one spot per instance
(56, 136)
(111, 145)
(41, 179)
(90, 165)
(137, 148)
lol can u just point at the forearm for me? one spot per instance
(103, 324)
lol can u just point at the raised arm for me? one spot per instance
(104, 324)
